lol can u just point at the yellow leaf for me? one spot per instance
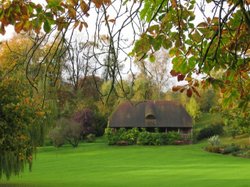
(84, 6)
(76, 24)
(73, 2)
(18, 27)
(27, 26)
(72, 12)
(41, 114)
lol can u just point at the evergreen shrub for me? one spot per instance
(140, 137)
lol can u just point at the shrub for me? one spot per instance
(111, 135)
(231, 149)
(245, 154)
(56, 136)
(213, 149)
(214, 145)
(210, 131)
(157, 138)
(72, 132)
(172, 137)
(214, 140)
(99, 125)
(86, 119)
(143, 137)
(130, 136)
(233, 131)
(66, 131)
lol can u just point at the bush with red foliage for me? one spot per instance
(87, 120)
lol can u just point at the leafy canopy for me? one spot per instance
(220, 43)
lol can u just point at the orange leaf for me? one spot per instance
(180, 77)
(176, 88)
(174, 3)
(112, 20)
(85, 24)
(189, 92)
(2, 29)
(98, 3)
(80, 27)
(107, 2)
(174, 73)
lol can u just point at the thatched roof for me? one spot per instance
(150, 114)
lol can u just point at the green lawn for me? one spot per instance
(97, 164)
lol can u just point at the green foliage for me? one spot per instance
(207, 100)
(143, 137)
(207, 47)
(20, 126)
(173, 136)
(210, 131)
(231, 149)
(193, 108)
(237, 121)
(144, 89)
(23, 115)
(121, 135)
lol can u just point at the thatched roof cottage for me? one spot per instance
(165, 115)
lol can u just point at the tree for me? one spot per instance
(208, 100)
(78, 62)
(158, 70)
(145, 89)
(21, 113)
(193, 108)
(219, 42)
(72, 133)
(86, 119)
(66, 130)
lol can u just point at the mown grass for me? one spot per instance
(97, 164)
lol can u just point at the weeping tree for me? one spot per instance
(21, 124)
(22, 108)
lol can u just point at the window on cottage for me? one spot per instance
(150, 120)
(150, 116)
